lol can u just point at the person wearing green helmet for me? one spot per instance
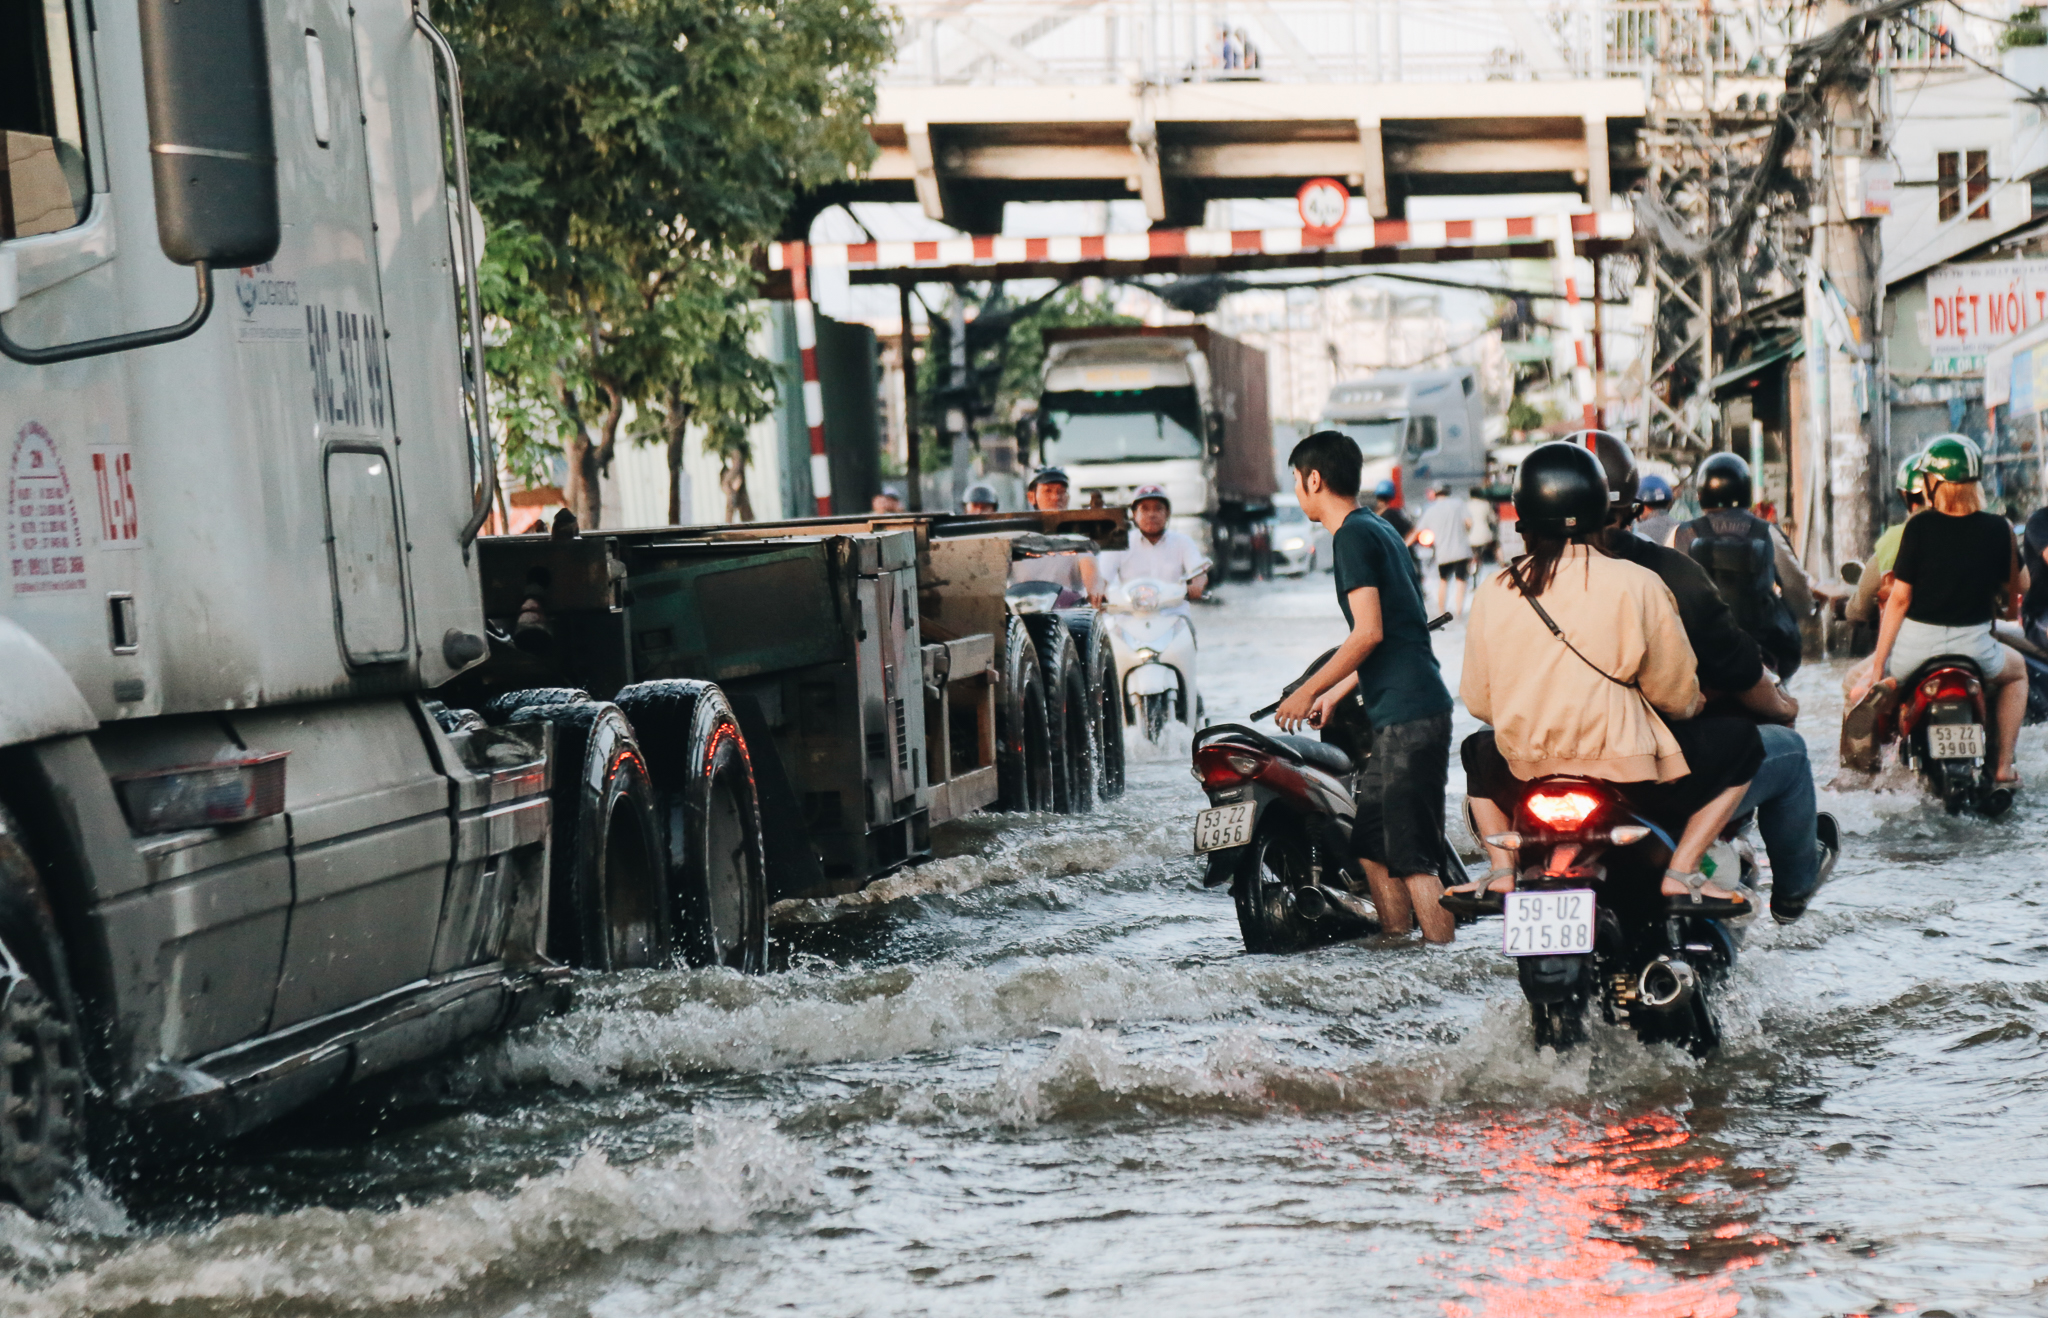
(1958, 570)
(1876, 582)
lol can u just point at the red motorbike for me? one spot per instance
(1939, 719)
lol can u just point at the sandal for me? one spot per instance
(1478, 897)
(1695, 902)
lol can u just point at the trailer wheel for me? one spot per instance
(711, 821)
(1091, 639)
(604, 906)
(42, 1076)
(1023, 739)
(500, 709)
(1068, 717)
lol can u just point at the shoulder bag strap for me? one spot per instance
(1515, 572)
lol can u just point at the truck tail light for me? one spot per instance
(227, 791)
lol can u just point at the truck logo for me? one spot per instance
(45, 552)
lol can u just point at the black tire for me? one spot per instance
(500, 709)
(42, 1072)
(1279, 860)
(1024, 769)
(1156, 711)
(1559, 1025)
(1091, 639)
(710, 813)
(604, 906)
(1069, 715)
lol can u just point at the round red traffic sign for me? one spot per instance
(1324, 202)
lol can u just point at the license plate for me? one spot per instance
(1955, 741)
(1548, 923)
(1223, 826)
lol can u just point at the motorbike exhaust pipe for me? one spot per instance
(1666, 984)
(1321, 901)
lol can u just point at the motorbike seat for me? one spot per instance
(1940, 661)
(1316, 754)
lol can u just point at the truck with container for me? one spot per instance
(1178, 406)
(302, 781)
(1416, 428)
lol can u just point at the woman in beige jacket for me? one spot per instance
(1612, 694)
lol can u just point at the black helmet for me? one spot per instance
(1560, 491)
(979, 494)
(1618, 464)
(1724, 482)
(1047, 475)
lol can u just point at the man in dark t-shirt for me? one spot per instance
(1387, 660)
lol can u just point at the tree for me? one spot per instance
(629, 156)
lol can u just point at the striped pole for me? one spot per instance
(814, 398)
(1575, 318)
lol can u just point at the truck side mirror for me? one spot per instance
(213, 157)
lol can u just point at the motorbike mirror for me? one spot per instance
(1852, 571)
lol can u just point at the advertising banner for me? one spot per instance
(1972, 308)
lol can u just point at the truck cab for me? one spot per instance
(1414, 428)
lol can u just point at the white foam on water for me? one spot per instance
(1176, 743)
(325, 1259)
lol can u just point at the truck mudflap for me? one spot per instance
(238, 1089)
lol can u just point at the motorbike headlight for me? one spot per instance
(1148, 656)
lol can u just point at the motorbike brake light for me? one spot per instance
(1563, 811)
(1945, 686)
(1224, 766)
(1425, 538)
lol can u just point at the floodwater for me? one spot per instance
(1039, 1076)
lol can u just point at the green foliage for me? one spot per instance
(2025, 29)
(628, 158)
(1521, 416)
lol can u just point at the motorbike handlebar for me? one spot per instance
(1435, 624)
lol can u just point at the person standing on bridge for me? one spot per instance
(1388, 661)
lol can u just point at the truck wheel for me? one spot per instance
(1068, 717)
(1091, 639)
(711, 821)
(1023, 741)
(604, 908)
(500, 709)
(42, 1078)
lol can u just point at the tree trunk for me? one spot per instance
(579, 489)
(678, 424)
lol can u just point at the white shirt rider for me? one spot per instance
(1155, 552)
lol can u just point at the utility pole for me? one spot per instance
(1848, 159)
(959, 411)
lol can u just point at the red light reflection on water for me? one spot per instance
(1569, 1194)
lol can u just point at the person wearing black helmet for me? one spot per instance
(1750, 561)
(1074, 574)
(1580, 663)
(978, 499)
(1801, 841)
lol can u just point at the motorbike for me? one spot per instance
(1155, 655)
(1278, 826)
(1587, 920)
(1938, 718)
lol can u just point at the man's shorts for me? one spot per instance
(1400, 821)
(1461, 569)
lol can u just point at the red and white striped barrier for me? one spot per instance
(1575, 321)
(814, 397)
(1414, 239)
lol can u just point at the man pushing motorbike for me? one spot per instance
(1388, 661)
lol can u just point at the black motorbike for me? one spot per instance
(1278, 826)
(1587, 921)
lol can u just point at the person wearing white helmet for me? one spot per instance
(1155, 552)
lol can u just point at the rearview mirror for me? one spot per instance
(213, 155)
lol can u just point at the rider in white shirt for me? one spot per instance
(1155, 552)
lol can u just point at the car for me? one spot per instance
(1300, 546)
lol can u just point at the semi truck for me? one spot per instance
(1415, 428)
(302, 781)
(1179, 406)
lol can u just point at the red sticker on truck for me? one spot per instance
(113, 473)
(45, 552)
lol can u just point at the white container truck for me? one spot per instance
(1415, 428)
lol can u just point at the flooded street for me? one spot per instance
(1039, 1076)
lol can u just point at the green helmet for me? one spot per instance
(1908, 481)
(1952, 458)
